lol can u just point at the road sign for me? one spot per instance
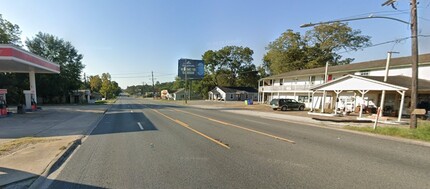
(195, 68)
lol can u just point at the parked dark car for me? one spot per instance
(285, 103)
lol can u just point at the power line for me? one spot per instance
(387, 42)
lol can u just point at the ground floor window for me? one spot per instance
(304, 99)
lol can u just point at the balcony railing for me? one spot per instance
(284, 88)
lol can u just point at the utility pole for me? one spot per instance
(414, 59)
(153, 86)
(414, 87)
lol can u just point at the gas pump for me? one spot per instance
(33, 103)
(30, 103)
(3, 103)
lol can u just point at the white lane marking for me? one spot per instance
(140, 125)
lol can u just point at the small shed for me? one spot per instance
(179, 94)
(233, 93)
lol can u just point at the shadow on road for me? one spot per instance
(29, 179)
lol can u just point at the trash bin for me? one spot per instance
(249, 102)
(246, 102)
(20, 109)
(3, 111)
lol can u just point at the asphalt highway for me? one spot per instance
(146, 144)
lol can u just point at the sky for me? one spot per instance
(132, 38)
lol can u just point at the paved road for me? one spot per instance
(184, 147)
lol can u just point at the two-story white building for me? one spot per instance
(302, 85)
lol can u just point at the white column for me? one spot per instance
(363, 92)
(262, 100)
(32, 76)
(402, 101)
(312, 101)
(337, 97)
(258, 94)
(381, 104)
(323, 101)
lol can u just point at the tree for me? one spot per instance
(95, 83)
(106, 88)
(15, 83)
(9, 33)
(292, 51)
(116, 90)
(331, 38)
(248, 76)
(60, 52)
(226, 65)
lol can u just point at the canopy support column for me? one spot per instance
(337, 100)
(323, 102)
(382, 103)
(32, 77)
(401, 105)
(363, 92)
(312, 101)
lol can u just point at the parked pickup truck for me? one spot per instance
(285, 103)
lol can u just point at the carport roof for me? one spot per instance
(355, 82)
(15, 59)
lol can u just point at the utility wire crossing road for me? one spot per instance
(149, 144)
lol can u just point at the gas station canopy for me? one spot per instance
(16, 60)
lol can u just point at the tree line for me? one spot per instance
(52, 88)
(104, 85)
(233, 65)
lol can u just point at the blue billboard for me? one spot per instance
(195, 68)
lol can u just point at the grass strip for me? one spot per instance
(17, 144)
(421, 133)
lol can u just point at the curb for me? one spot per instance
(57, 162)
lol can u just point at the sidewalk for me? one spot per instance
(39, 138)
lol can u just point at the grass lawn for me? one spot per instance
(421, 133)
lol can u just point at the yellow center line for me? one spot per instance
(195, 131)
(237, 126)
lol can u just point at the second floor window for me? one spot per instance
(312, 80)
